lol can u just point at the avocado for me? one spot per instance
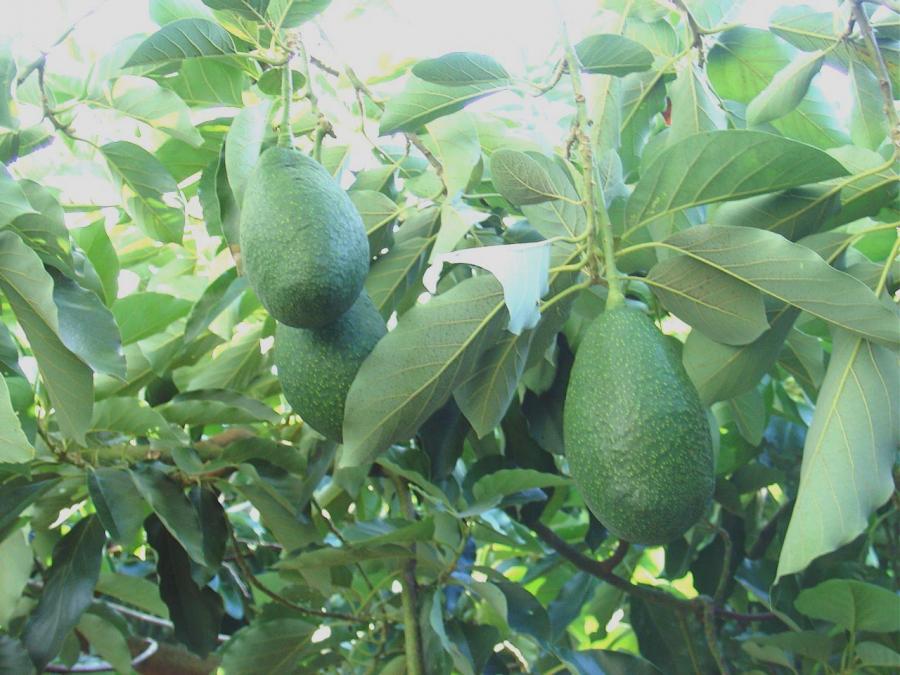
(637, 438)
(317, 366)
(303, 242)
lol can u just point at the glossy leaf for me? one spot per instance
(68, 590)
(119, 505)
(183, 39)
(848, 454)
(417, 366)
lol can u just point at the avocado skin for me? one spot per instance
(303, 243)
(637, 437)
(316, 367)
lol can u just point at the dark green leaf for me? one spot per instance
(417, 366)
(17, 495)
(267, 646)
(120, 507)
(142, 593)
(14, 658)
(98, 248)
(458, 68)
(173, 508)
(853, 605)
(395, 273)
(196, 612)
(14, 446)
(68, 591)
(182, 39)
(609, 54)
(217, 297)
(216, 407)
(131, 416)
(793, 213)
(87, 328)
(671, 639)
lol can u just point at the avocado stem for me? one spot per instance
(595, 204)
(285, 134)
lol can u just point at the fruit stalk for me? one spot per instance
(597, 216)
(285, 135)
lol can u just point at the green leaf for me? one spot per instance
(786, 89)
(378, 213)
(273, 646)
(144, 100)
(243, 144)
(524, 613)
(131, 416)
(29, 290)
(793, 214)
(723, 165)
(144, 181)
(853, 605)
(195, 611)
(18, 494)
(486, 394)
(173, 508)
(269, 82)
(608, 54)
(458, 68)
(457, 219)
(848, 454)
(609, 662)
(13, 657)
(791, 273)
(744, 60)
(119, 506)
(395, 273)
(748, 410)
(865, 195)
(14, 446)
(875, 654)
(45, 231)
(220, 209)
(417, 366)
(68, 591)
(560, 217)
(87, 327)
(671, 639)
(235, 367)
(522, 180)
(96, 245)
(421, 102)
(721, 372)
(182, 39)
(217, 297)
(505, 482)
(216, 407)
(16, 561)
(141, 315)
(7, 77)
(721, 307)
(132, 590)
(13, 202)
(106, 640)
(868, 123)
(694, 108)
(208, 83)
(454, 142)
(292, 13)
(251, 9)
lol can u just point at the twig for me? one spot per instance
(324, 67)
(415, 662)
(256, 583)
(884, 80)
(554, 79)
(362, 88)
(725, 575)
(697, 31)
(712, 639)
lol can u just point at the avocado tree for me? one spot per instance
(307, 371)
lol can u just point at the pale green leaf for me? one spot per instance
(694, 108)
(243, 144)
(849, 451)
(144, 100)
(523, 180)
(868, 123)
(459, 68)
(16, 561)
(183, 39)
(454, 142)
(853, 605)
(14, 446)
(251, 9)
(292, 13)
(609, 54)
(141, 315)
(107, 641)
(793, 214)
(786, 89)
(720, 306)
(13, 202)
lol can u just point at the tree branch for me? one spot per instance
(884, 79)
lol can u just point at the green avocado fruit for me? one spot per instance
(303, 242)
(637, 437)
(316, 367)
